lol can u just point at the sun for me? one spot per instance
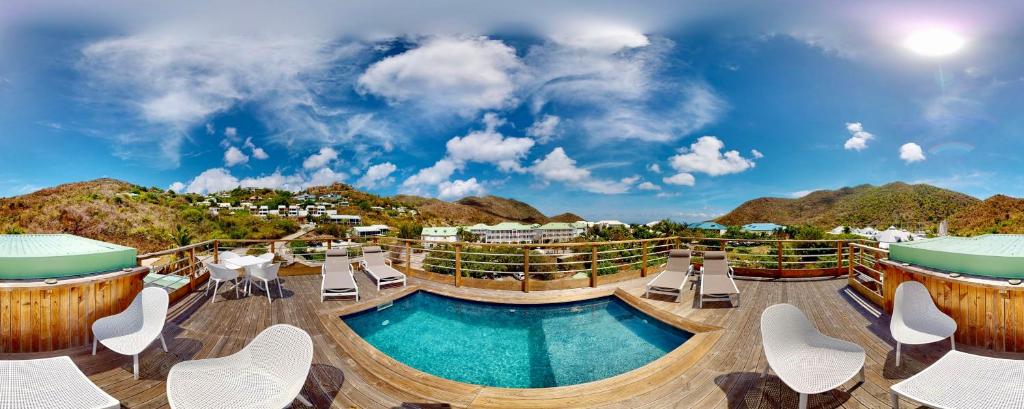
(934, 42)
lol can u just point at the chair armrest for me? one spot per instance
(732, 273)
(388, 261)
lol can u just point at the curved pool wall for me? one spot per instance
(516, 346)
(42, 256)
(990, 255)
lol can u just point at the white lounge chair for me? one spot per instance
(380, 268)
(265, 273)
(338, 279)
(49, 383)
(219, 274)
(673, 279)
(962, 380)
(805, 359)
(916, 320)
(716, 279)
(267, 373)
(134, 329)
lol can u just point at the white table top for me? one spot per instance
(244, 261)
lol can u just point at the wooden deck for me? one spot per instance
(727, 375)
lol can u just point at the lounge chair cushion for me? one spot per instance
(718, 285)
(337, 252)
(679, 253)
(714, 255)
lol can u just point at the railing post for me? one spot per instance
(643, 260)
(408, 257)
(839, 255)
(216, 251)
(721, 244)
(853, 258)
(458, 265)
(780, 257)
(192, 269)
(676, 242)
(593, 266)
(329, 241)
(526, 269)
(273, 248)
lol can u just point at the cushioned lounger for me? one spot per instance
(673, 279)
(380, 268)
(338, 280)
(716, 278)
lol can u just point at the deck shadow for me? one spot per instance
(771, 392)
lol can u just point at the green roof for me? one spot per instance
(510, 226)
(991, 255)
(556, 226)
(34, 256)
(439, 231)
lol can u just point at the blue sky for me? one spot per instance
(639, 112)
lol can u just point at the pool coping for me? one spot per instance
(379, 367)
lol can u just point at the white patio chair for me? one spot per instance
(49, 383)
(265, 273)
(227, 255)
(806, 360)
(267, 373)
(220, 274)
(380, 268)
(134, 329)
(962, 380)
(673, 280)
(337, 277)
(916, 320)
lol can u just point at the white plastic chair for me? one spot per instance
(916, 320)
(134, 329)
(49, 383)
(267, 373)
(806, 360)
(227, 255)
(220, 274)
(265, 273)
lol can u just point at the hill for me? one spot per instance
(917, 206)
(504, 208)
(439, 212)
(131, 215)
(997, 214)
(565, 218)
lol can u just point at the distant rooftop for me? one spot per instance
(762, 227)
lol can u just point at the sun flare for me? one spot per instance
(935, 42)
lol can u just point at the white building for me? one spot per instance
(610, 223)
(348, 219)
(509, 232)
(894, 235)
(371, 231)
(439, 234)
(555, 232)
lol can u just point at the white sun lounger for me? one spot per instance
(338, 279)
(134, 329)
(716, 279)
(962, 380)
(380, 268)
(674, 278)
(916, 320)
(267, 373)
(50, 383)
(806, 360)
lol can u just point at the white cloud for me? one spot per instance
(648, 186)
(801, 193)
(325, 177)
(234, 156)
(275, 180)
(756, 154)
(257, 152)
(490, 146)
(911, 152)
(858, 137)
(706, 156)
(177, 187)
(697, 106)
(544, 129)
(320, 159)
(231, 132)
(445, 74)
(601, 37)
(377, 175)
(212, 180)
(459, 189)
(654, 168)
(680, 179)
(429, 177)
(559, 167)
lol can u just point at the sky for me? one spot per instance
(638, 111)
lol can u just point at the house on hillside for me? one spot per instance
(431, 235)
(507, 232)
(371, 231)
(708, 226)
(555, 233)
(762, 228)
(580, 228)
(349, 219)
(894, 235)
(610, 223)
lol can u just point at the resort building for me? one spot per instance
(555, 233)
(610, 223)
(439, 235)
(371, 231)
(508, 232)
(348, 219)
(709, 226)
(894, 235)
(762, 228)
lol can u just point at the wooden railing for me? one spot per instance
(520, 267)
(865, 272)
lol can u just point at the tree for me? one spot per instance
(409, 231)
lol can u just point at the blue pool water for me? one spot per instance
(516, 346)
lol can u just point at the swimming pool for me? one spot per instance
(516, 346)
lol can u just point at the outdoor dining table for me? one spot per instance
(242, 263)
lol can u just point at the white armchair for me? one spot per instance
(916, 320)
(266, 273)
(134, 329)
(267, 373)
(220, 274)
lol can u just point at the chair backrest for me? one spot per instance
(266, 257)
(337, 260)
(784, 327)
(373, 255)
(912, 301)
(265, 271)
(221, 272)
(678, 260)
(285, 352)
(227, 255)
(150, 308)
(715, 263)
